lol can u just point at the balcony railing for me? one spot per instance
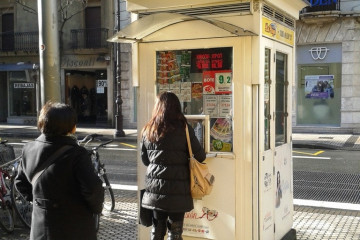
(89, 38)
(334, 6)
(19, 41)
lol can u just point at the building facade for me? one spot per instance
(327, 89)
(88, 66)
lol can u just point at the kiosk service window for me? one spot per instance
(202, 79)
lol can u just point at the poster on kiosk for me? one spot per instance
(202, 79)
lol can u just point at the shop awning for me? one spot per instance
(17, 66)
(139, 29)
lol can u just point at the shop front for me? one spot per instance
(232, 73)
(85, 79)
(19, 87)
(319, 85)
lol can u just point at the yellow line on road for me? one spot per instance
(311, 154)
(317, 153)
(128, 145)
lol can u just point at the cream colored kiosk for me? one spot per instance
(232, 65)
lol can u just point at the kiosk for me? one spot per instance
(231, 63)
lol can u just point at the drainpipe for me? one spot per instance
(119, 132)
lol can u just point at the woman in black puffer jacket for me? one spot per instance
(164, 151)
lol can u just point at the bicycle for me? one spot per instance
(22, 207)
(6, 213)
(109, 199)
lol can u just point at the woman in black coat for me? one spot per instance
(164, 151)
(68, 193)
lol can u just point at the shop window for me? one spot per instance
(22, 94)
(281, 99)
(87, 94)
(319, 94)
(202, 79)
(267, 115)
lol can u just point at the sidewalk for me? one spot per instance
(310, 222)
(30, 131)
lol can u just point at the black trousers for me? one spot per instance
(172, 216)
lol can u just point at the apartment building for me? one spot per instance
(88, 66)
(327, 90)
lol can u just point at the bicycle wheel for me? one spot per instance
(6, 216)
(22, 207)
(109, 199)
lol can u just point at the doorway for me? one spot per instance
(86, 92)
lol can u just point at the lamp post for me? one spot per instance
(119, 132)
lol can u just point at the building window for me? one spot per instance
(281, 99)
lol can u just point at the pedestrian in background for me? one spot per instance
(164, 151)
(68, 193)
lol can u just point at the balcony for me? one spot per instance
(19, 41)
(89, 38)
(332, 6)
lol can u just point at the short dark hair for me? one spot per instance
(56, 119)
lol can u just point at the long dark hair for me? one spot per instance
(166, 117)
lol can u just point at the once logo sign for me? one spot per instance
(318, 52)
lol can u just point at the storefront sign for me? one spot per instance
(82, 61)
(24, 85)
(318, 53)
(319, 86)
(322, 2)
(277, 31)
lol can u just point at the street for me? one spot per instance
(326, 175)
(319, 174)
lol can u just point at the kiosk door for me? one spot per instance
(275, 196)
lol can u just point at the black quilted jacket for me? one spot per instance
(167, 180)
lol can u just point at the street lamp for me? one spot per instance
(119, 132)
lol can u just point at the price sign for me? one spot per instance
(101, 83)
(223, 82)
(100, 86)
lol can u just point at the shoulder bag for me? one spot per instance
(201, 180)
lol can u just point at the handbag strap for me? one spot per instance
(50, 161)
(188, 140)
